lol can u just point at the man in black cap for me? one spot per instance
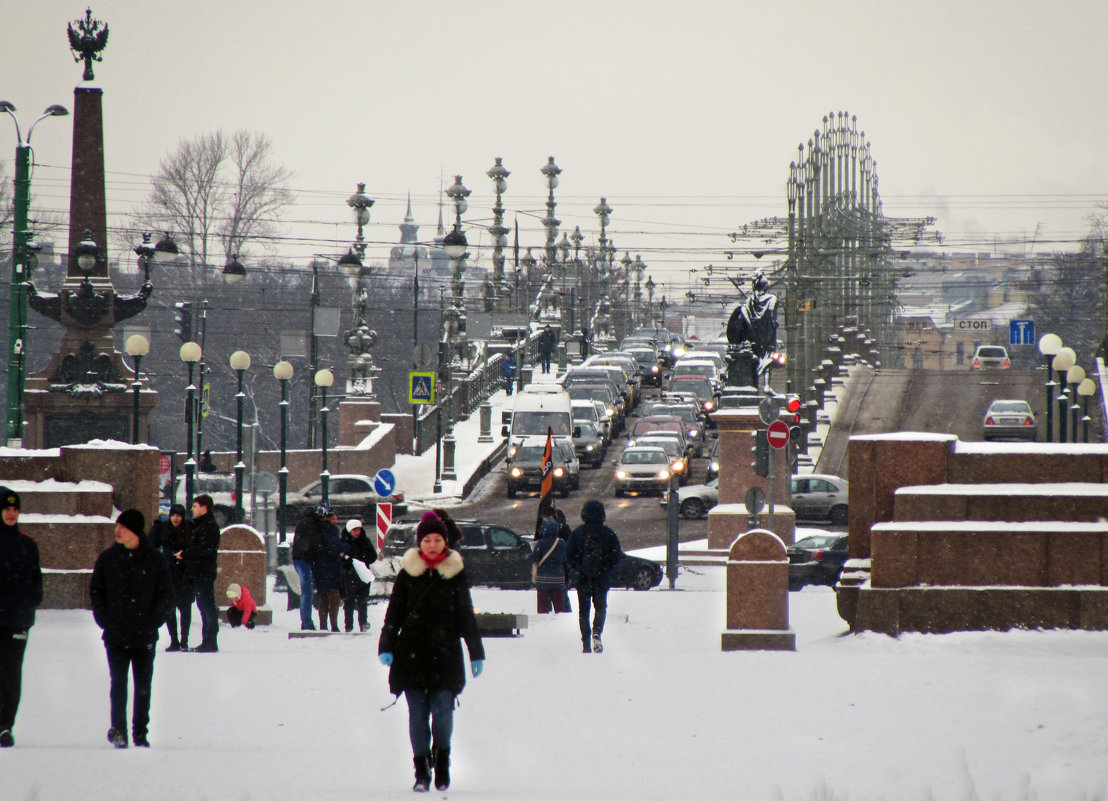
(132, 594)
(20, 594)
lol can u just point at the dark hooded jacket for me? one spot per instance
(328, 564)
(306, 541)
(20, 579)
(131, 594)
(593, 550)
(429, 613)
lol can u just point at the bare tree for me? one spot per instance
(259, 192)
(216, 191)
(7, 207)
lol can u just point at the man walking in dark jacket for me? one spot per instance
(592, 553)
(131, 594)
(548, 341)
(20, 594)
(201, 561)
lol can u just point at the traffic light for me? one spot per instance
(761, 453)
(792, 406)
(182, 326)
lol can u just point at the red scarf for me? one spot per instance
(435, 561)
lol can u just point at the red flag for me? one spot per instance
(547, 476)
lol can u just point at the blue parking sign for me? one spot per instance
(1021, 332)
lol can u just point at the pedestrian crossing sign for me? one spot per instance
(421, 387)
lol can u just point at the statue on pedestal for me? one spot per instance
(752, 335)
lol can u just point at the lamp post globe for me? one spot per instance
(283, 372)
(1063, 360)
(136, 346)
(190, 354)
(240, 363)
(324, 379)
(1049, 345)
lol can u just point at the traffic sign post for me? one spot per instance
(1021, 332)
(384, 483)
(384, 520)
(421, 387)
(778, 434)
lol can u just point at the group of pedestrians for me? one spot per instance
(583, 558)
(324, 560)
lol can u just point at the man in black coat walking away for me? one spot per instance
(131, 595)
(201, 560)
(20, 595)
(548, 341)
(592, 553)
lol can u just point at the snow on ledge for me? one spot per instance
(1051, 448)
(988, 526)
(53, 485)
(1063, 489)
(910, 436)
(110, 444)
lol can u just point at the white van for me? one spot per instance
(533, 413)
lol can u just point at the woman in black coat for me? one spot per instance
(170, 537)
(429, 613)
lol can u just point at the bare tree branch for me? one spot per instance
(260, 192)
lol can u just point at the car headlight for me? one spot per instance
(708, 406)
(677, 467)
(630, 443)
(559, 472)
(512, 451)
(678, 352)
(692, 433)
(621, 475)
(589, 448)
(663, 474)
(515, 472)
(654, 369)
(714, 465)
(609, 410)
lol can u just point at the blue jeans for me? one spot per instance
(307, 593)
(209, 615)
(430, 712)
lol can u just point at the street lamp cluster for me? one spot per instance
(1072, 383)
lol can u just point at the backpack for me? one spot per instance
(592, 555)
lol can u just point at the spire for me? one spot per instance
(409, 229)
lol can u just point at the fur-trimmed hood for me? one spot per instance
(448, 568)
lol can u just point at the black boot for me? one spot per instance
(422, 773)
(442, 768)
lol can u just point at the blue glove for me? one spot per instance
(478, 665)
(386, 659)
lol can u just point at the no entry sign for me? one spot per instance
(778, 434)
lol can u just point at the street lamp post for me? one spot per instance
(240, 363)
(282, 371)
(499, 233)
(22, 264)
(136, 346)
(550, 172)
(1062, 362)
(190, 355)
(323, 379)
(1049, 345)
(1086, 389)
(1074, 376)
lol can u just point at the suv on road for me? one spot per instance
(525, 465)
(990, 357)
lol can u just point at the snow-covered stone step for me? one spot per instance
(53, 497)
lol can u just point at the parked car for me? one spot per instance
(525, 465)
(713, 463)
(643, 469)
(820, 497)
(1010, 419)
(694, 501)
(350, 495)
(496, 556)
(990, 357)
(817, 559)
(221, 486)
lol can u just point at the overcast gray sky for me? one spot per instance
(987, 114)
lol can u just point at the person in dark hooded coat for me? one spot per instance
(20, 595)
(131, 594)
(170, 537)
(430, 612)
(592, 553)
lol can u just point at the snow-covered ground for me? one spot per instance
(661, 714)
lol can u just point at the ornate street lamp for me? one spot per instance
(136, 346)
(1049, 345)
(282, 371)
(240, 363)
(499, 233)
(550, 172)
(360, 203)
(1086, 389)
(22, 264)
(1062, 362)
(639, 267)
(234, 271)
(165, 252)
(1074, 376)
(323, 379)
(190, 355)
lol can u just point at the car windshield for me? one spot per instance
(670, 446)
(695, 384)
(707, 369)
(1010, 407)
(818, 541)
(644, 456)
(587, 429)
(533, 453)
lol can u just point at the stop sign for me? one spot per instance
(778, 434)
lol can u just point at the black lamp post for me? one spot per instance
(136, 346)
(282, 371)
(323, 379)
(240, 363)
(1062, 362)
(1086, 389)
(1074, 376)
(190, 355)
(1049, 345)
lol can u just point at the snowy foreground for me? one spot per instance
(661, 714)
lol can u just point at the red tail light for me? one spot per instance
(1027, 421)
(818, 555)
(989, 421)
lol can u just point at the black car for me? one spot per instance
(817, 560)
(496, 556)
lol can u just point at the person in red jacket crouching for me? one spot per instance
(243, 609)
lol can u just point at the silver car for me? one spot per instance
(694, 501)
(643, 469)
(820, 497)
(1010, 419)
